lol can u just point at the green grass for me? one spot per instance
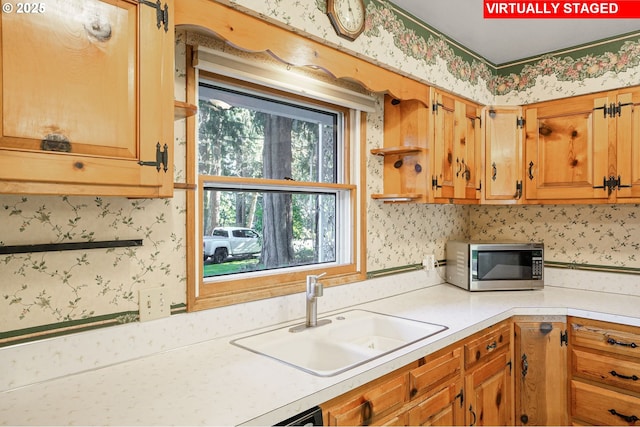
(230, 267)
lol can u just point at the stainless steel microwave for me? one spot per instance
(495, 266)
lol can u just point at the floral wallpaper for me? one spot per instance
(51, 291)
(42, 288)
(600, 235)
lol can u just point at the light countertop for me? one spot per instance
(216, 383)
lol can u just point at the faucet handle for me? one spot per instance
(315, 288)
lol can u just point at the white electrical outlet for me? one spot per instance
(154, 304)
(429, 262)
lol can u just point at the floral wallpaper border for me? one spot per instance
(418, 41)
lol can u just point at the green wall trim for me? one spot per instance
(592, 267)
(36, 333)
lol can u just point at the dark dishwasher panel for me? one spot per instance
(310, 417)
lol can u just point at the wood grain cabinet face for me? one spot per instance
(628, 145)
(443, 407)
(456, 148)
(540, 370)
(87, 93)
(583, 148)
(488, 377)
(605, 371)
(369, 406)
(503, 156)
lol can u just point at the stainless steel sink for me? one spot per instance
(352, 338)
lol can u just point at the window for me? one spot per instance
(277, 193)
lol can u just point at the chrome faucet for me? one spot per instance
(315, 289)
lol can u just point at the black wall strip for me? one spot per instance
(52, 247)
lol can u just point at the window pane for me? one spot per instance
(251, 136)
(268, 229)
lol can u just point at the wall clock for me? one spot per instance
(347, 17)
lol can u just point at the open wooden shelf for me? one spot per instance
(405, 149)
(397, 198)
(183, 110)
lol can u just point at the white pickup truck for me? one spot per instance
(231, 242)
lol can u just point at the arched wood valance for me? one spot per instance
(253, 34)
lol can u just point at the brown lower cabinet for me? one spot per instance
(527, 370)
(433, 389)
(540, 371)
(605, 373)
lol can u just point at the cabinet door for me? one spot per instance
(541, 374)
(628, 145)
(86, 96)
(466, 138)
(488, 392)
(568, 151)
(503, 155)
(456, 145)
(444, 152)
(444, 407)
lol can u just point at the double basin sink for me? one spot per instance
(352, 338)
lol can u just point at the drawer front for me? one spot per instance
(371, 405)
(442, 408)
(604, 369)
(487, 343)
(602, 406)
(423, 379)
(613, 338)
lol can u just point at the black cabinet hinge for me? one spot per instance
(434, 183)
(435, 106)
(612, 110)
(564, 338)
(520, 122)
(162, 14)
(518, 190)
(612, 183)
(617, 109)
(162, 158)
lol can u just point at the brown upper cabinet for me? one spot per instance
(431, 152)
(502, 155)
(456, 171)
(583, 149)
(87, 99)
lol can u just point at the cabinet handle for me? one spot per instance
(531, 164)
(461, 396)
(494, 171)
(627, 418)
(525, 366)
(367, 413)
(624, 344)
(492, 346)
(624, 377)
(474, 416)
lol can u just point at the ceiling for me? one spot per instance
(506, 40)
